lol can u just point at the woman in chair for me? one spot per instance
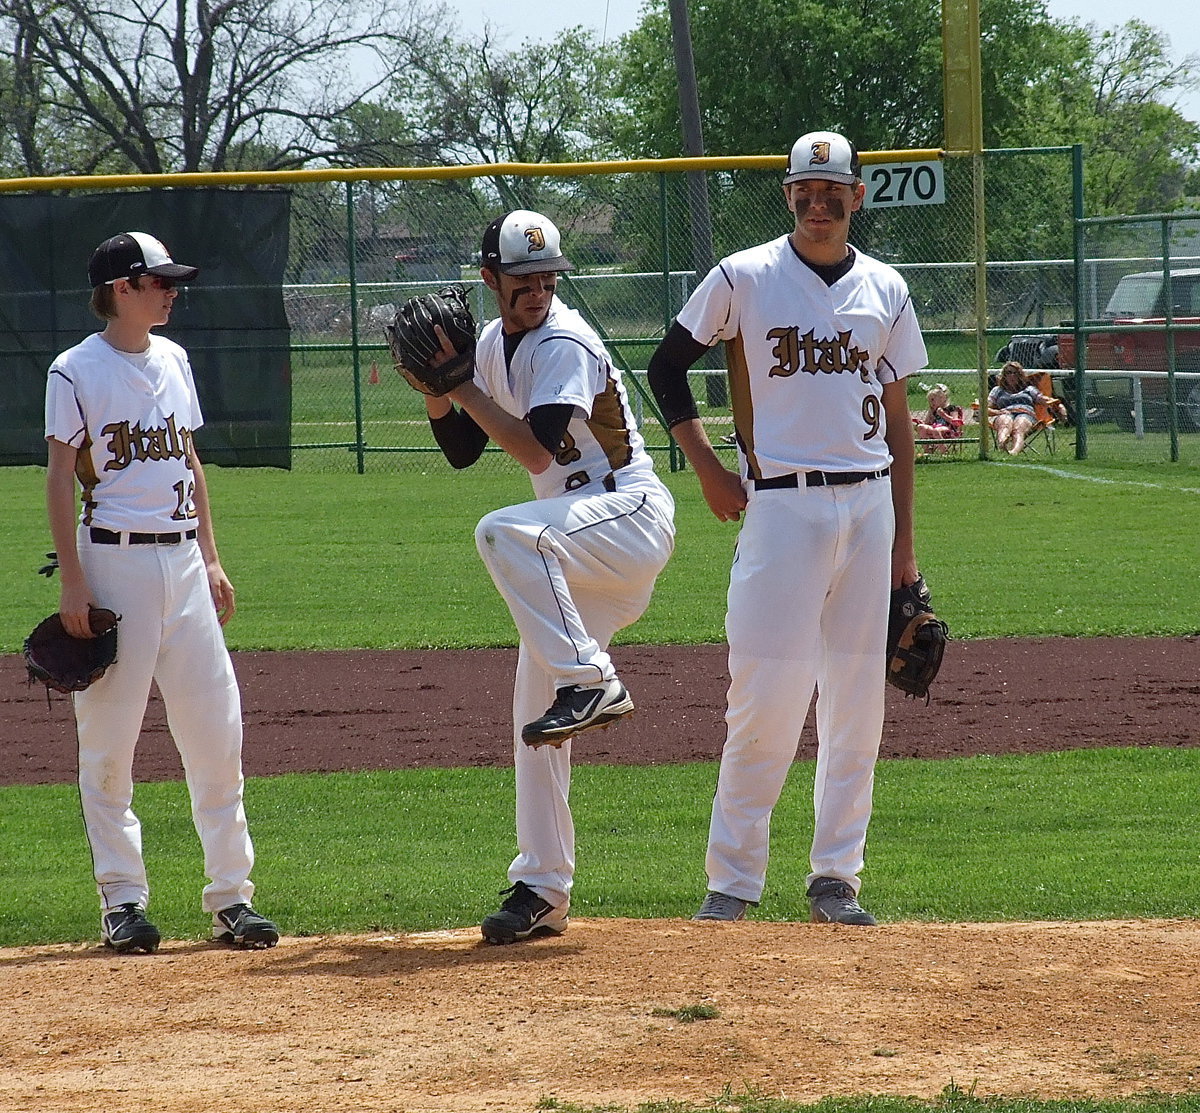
(1011, 403)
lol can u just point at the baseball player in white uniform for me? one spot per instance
(819, 338)
(576, 564)
(121, 409)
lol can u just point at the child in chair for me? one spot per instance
(941, 421)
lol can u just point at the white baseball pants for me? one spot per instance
(808, 598)
(169, 633)
(573, 571)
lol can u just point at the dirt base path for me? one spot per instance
(325, 712)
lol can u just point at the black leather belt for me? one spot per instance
(108, 537)
(817, 479)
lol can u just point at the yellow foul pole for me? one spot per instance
(962, 91)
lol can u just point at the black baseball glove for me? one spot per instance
(67, 664)
(414, 344)
(916, 640)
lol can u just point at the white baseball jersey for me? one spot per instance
(564, 362)
(807, 361)
(131, 416)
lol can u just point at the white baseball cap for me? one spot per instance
(823, 154)
(523, 242)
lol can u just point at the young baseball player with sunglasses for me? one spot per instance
(121, 409)
(577, 563)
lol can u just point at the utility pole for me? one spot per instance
(693, 147)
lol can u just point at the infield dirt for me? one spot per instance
(440, 1022)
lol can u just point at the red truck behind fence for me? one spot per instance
(1139, 356)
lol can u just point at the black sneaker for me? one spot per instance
(832, 901)
(721, 906)
(521, 915)
(241, 925)
(577, 709)
(126, 928)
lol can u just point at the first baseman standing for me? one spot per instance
(121, 408)
(576, 564)
(820, 338)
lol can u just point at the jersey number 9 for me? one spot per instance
(870, 412)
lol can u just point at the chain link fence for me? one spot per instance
(637, 256)
(1140, 338)
(361, 242)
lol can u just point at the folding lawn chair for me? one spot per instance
(1043, 433)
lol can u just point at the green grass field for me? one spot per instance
(1081, 835)
(387, 560)
(953, 1099)
(347, 561)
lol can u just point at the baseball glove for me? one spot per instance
(414, 344)
(916, 640)
(67, 664)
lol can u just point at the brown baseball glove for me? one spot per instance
(916, 640)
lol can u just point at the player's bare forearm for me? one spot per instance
(899, 437)
(722, 488)
(218, 583)
(75, 596)
(511, 433)
(437, 407)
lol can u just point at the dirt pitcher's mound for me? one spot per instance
(441, 1022)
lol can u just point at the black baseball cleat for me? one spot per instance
(833, 901)
(523, 914)
(126, 929)
(240, 925)
(721, 906)
(577, 709)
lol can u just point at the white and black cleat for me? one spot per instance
(240, 925)
(576, 709)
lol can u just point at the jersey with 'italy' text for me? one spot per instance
(807, 361)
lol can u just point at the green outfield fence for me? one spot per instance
(361, 241)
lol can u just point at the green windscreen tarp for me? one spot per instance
(231, 319)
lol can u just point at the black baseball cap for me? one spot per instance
(523, 242)
(131, 254)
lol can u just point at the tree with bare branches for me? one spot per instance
(157, 86)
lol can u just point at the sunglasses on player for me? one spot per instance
(156, 280)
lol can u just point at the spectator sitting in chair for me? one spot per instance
(941, 420)
(1011, 403)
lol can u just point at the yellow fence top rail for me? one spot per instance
(426, 173)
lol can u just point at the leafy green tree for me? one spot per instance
(873, 73)
(1140, 150)
(832, 64)
(876, 76)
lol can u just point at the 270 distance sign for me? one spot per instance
(890, 184)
